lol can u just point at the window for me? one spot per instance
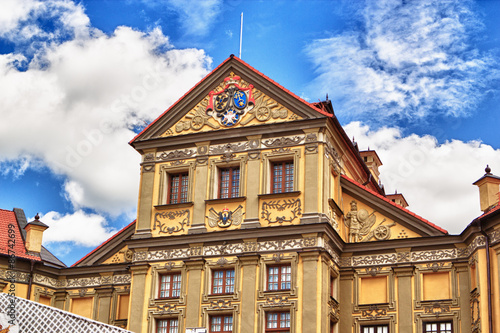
(279, 277)
(229, 183)
(282, 177)
(178, 188)
(170, 285)
(278, 322)
(167, 326)
(221, 324)
(375, 329)
(223, 281)
(439, 327)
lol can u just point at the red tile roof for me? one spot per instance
(8, 222)
(104, 243)
(488, 213)
(311, 105)
(394, 204)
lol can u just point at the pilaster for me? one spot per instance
(309, 291)
(200, 190)
(145, 207)
(405, 299)
(345, 294)
(137, 297)
(194, 269)
(462, 270)
(104, 297)
(248, 293)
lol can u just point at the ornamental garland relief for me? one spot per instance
(172, 221)
(234, 102)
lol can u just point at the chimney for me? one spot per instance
(488, 190)
(372, 161)
(398, 199)
(34, 235)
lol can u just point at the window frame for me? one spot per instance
(224, 279)
(181, 188)
(269, 157)
(424, 323)
(222, 323)
(278, 322)
(231, 191)
(284, 185)
(280, 277)
(168, 320)
(374, 326)
(171, 283)
(166, 172)
(216, 165)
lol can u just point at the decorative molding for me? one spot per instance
(176, 154)
(334, 309)
(373, 271)
(374, 312)
(148, 168)
(167, 309)
(311, 137)
(220, 304)
(227, 249)
(283, 141)
(149, 157)
(229, 148)
(277, 301)
(475, 311)
(181, 217)
(437, 308)
(86, 282)
(291, 206)
(435, 266)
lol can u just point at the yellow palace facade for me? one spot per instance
(257, 213)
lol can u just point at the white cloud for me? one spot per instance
(81, 228)
(436, 179)
(407, 59)
(23, 20)
(196, 16)
(73, 105)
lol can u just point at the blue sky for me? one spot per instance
(415, 80)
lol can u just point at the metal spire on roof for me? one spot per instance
(241, 32)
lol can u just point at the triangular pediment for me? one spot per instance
(112, 251)
(374, 217)
(234, 95)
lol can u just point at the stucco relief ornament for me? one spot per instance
(359, 222)
(225, 218)
(228, 106)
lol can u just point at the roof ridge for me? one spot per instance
(396, 205)
(104, 243)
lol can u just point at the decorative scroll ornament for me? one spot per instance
(291, 208)
(231, 104)
(374, 312)
(164, 220)
(225, 218)
(436, 309)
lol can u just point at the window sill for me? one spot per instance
(222, 294)
(279, 195)
(167, 298)
(177, 205)
(277, 291)
(225, 200)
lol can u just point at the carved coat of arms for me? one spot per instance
(228, 106)
(225, 218)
